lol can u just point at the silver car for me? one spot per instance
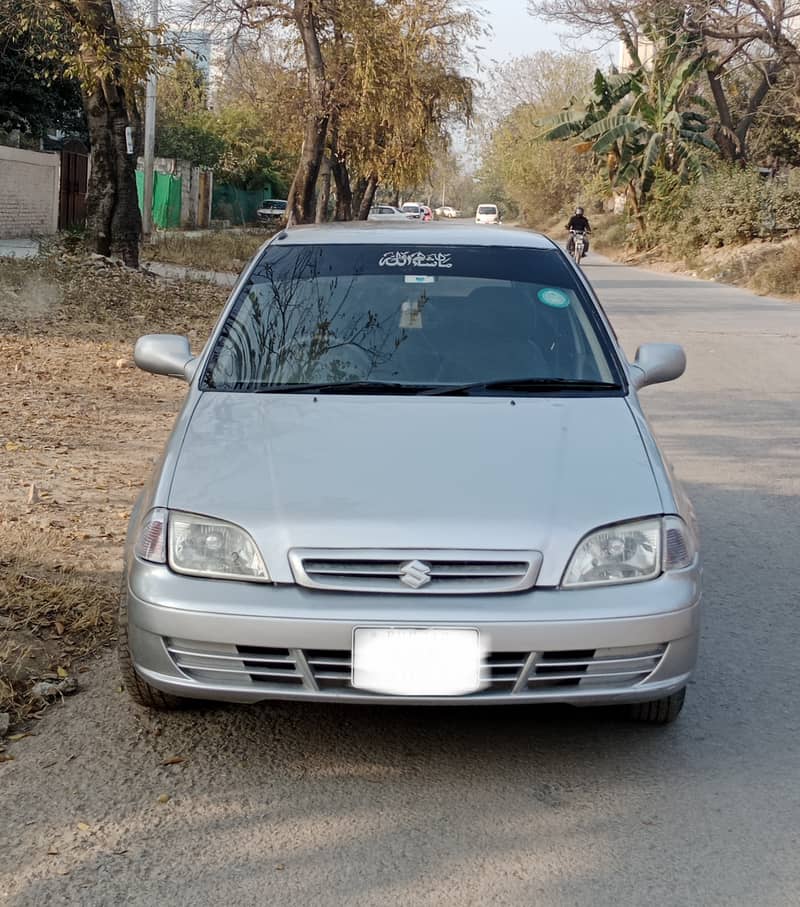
(412, 470)
(387, 213)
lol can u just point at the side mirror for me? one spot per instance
(165, 354)
(657, 362)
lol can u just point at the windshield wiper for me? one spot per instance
(347, 387)
(524, 384)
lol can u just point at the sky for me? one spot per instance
(516, 32)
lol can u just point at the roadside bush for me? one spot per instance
(782, 273)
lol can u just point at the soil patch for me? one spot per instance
(80, 429)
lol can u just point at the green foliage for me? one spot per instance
(30, 103)
(191, 139)
(231, 141)
(636, 124)
(728, 207)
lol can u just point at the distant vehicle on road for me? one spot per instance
(413, 209)
(447, 211)
(272, 211)
(387, 212)
(487, 214)
(412, 467)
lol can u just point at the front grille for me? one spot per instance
(329, 670)
(428, 572)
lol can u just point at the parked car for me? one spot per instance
(413, 209)
(387, 212)
(447, 211)
(487, 214)
(427, 213)
(411, 471)
(272, 210)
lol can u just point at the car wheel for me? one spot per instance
(139, 690)
(658, 711)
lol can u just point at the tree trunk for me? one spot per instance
(756, 100)
(368, 197)
(301, 196)
(638, 214)
(324, 194)
(358, 193)
(112, 204)
(725, 136)
(344, 194)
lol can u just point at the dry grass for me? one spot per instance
(79, 432)
(54, 614)
(781, 274)
(227, 250)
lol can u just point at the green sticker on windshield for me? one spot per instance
(557, 299)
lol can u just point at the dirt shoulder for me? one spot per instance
(80, 428)
(767, 268)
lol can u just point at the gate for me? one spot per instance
(74, 184)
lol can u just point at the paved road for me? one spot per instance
(293, 804)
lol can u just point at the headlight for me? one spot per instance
(628, 553)
(201, 546)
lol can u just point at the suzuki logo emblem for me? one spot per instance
(415, 574)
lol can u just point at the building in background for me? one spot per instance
(646, 50)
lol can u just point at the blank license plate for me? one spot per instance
(416, 662)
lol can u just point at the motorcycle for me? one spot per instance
(578, 245)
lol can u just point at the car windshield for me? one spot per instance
(418, 317)
(487, 209)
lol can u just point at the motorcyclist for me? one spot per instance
(579, 222)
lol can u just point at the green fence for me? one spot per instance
(166, 198)
(239, 206)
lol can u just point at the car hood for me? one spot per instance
(414, 472)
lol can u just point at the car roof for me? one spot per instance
(432, 234)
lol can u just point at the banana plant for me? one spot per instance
(640, 122)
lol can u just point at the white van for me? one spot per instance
(487, 214)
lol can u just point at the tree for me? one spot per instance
(28, 102)
(528, 175)
(398, 91)
(638, 123)
(108, 56)
(231, 139)
(381, 83)
(761, 35)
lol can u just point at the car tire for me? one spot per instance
(139, 690)
(658, 711)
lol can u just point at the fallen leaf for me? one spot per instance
(119, 851)
(6, 757)
(84, 827)
(173, 760)
(280, 866)
(59, 627)
(62, 672)
(52, 852)
(16, 737)
(10, 445)
(163, 798)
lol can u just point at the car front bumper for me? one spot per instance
(245, 642)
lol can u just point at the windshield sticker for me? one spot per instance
(411, 314)
(556, 299)
(398, 259)
(419, 278)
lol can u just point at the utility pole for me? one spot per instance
(150, 129)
